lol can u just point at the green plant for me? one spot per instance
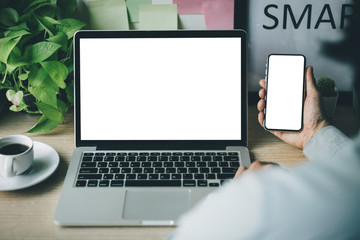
(327, 87)
(36, 58)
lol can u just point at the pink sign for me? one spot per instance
(219, 14)
(189, 6)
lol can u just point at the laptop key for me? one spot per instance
(146, 164)
(153, 159)
(104, 183)
(199, 176)
(89, 176)
(88, 154)
(215, 170)
(159, 170)
(210, 154)
(170, 170)
(120, 158)
(196, 158)
(189, 183)
(113, 164)
(87, 159)
(117, 183)
(108, 176)
(119, 176)
(137, 170)
(207, 158)
(182, 170)
(153, 183)
(130, 176)
(164, 158)
(223, 164)
(103, 170)
(204, 170)
(154, 176)
(164, 176)
(199, 154)
(144, 154)
(201, 164)
(233, 154)
(110, 154)
(102, 164)
(80, 183)
(92, 183)
(142, 176)
(202, 183)
(225, 176)
(98, 159)
(88, 170)
(188, 153)
(185, 158)
(133, 154)
(124, 164)
(175, 176)
(231, 158)
(234, 164)
(187, 176)
(109, 159)
(99, 154)
(126, 170)
(229, 170)
(130, 159)
(212, 164)
(175, 158)
(148, 170)
(168, 164)
(190, 164)
(210, 176)
(193, 170)
(221, 153)
(157, 164)
(135, 164)
(155, 154)
(88, 164)
(115, 170)
(142, 159)
(179, 164)
(218, 158)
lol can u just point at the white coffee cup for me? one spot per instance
(16, 155)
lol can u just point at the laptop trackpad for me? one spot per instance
(156, 204)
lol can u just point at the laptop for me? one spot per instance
(160, 122)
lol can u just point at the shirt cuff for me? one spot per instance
(326, 143)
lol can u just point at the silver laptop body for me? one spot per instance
(160, 122)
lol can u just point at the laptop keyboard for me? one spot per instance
(156, 169)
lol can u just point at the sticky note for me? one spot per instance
(158, 17)
(189, 6)
(133, 8)
(108, 15)
(219, 14)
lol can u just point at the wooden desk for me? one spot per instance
(28, 213)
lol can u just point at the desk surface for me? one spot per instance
(28, 213)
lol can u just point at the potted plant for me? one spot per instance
(329, 95)
(36, 58)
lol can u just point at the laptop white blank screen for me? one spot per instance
(160, 88)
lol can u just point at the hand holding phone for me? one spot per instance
(284, 99)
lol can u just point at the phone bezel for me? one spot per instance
(303, 95)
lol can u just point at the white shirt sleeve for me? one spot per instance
(318, 200)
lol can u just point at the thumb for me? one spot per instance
(310, 82)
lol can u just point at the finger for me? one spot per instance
(261, 118)
(310, 82)
(262, 83)
(262, 93)
(240, 171)
(261, 105)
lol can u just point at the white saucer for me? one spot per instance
(46, 160)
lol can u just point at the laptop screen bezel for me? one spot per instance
(161, 144)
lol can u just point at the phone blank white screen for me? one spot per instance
(160, 89)
(284, 100)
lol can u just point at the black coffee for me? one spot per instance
(13, 149)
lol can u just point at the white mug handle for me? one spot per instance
(9, 167)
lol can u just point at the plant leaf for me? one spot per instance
(68, 7)
(6, 46)
(23, 76)
(62, 106)
(43, 125)
(52, 21)
(61, 39)
(46, 25)
(21, 26)
(8, 16)
(18, 108)
(69, 26)
(17, 33)
(16, 59)
(39, 78)
(10, 94)
(18, 98)
(44, 94)
(57, 71)
(50, 112)
(41, 51)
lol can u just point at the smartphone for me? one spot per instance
(284, 93)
